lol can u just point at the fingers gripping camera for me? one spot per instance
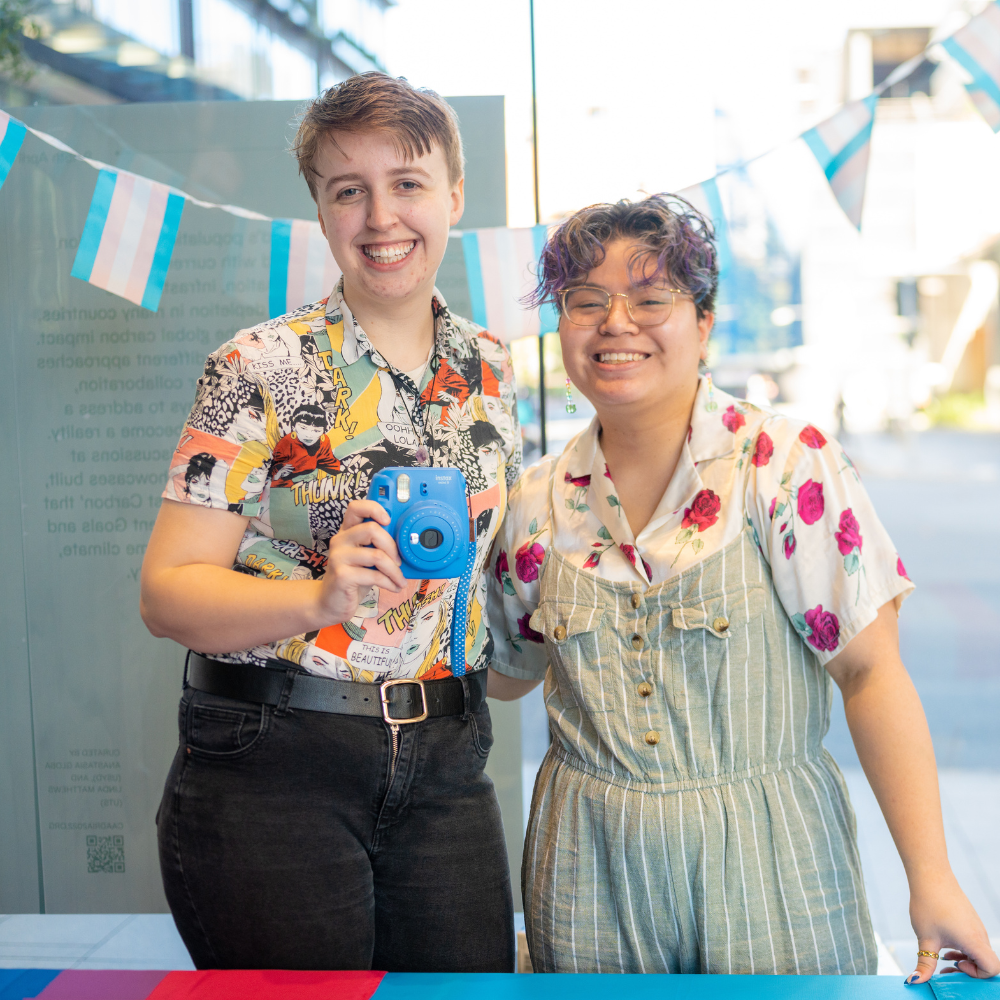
(430, 524)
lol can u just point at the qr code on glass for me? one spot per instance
(105, 854)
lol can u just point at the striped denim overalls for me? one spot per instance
(686, 817)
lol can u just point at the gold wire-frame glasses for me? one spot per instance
(588, 305)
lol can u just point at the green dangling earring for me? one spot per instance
(570, 405)
(711, 405)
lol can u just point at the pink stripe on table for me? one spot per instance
(117, 210)
(86, 984)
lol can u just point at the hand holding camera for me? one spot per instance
(362, 555)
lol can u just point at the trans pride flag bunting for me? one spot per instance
(842, 144)
(976, 48)
(302, 267)
(705, 198)
(11, 137)
(500, 268)
(129, 236)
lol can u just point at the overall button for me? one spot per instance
(637, 641)
(636, 601)
(645, 689)
(652, 737)
(720, 624)
(559, 632)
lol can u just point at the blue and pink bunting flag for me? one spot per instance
(302, 267)
(501, 267)
(841, 144)
(705, 197)
(976, 48)
(129, 236)
(11, 137)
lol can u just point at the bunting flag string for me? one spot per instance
(129, 236)
(976, 48)
(132, 224)
(842, 144)
(500, 269)
(302, 266)
(11, 136)
(705, 197)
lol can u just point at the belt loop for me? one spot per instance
(466, 698)
(286, 693)
(187, 662)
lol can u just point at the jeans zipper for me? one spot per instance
(394, 729)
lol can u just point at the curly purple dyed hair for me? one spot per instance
(665, 227)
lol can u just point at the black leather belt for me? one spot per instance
(397, 701)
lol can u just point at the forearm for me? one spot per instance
(894, 746)
(505, 688)
(216, 610)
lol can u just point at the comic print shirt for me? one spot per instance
(742, 468)
(291, 421)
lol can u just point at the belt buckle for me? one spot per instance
(383, 688)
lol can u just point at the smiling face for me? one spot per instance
(385, 217)
(625, 369)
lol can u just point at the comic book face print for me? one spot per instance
(293, 419)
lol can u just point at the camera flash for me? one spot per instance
(414, 538)
(403, 488)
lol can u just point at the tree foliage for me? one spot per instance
(13, 63)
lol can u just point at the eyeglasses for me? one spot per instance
(586, 305)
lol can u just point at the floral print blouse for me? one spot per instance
(742, 468)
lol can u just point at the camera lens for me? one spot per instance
(431, 538)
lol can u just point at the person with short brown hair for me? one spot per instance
(328, 806)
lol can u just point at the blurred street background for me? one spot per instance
(888, 339)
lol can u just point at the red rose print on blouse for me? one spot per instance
(578, 481)
(629, 551)
(900, 568)
(849, 536)
(501, 566)
(764, 450)
(702, 514)
(527, 559)
(812, 437)
(810, 503)
(789, 545)
(526, 631)
(704, 510)
(733, 419)
(770, 510)
(849, 542)
(819, 628)
(648, 569)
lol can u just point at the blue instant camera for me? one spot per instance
(430, 519)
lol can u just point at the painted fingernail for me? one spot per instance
(913, 978)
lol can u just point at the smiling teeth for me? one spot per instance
(619, 358)
(390, 254)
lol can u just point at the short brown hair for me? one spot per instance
(666, 228)
(376, 102)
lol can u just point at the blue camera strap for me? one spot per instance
(460, 615)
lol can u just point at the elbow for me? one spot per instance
(148, 615)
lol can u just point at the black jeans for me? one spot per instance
(289, 841)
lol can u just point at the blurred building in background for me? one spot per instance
(895, 327)
(108, 51)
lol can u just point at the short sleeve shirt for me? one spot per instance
(291, 421)
(741, 468)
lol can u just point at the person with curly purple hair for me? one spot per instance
(689, 577)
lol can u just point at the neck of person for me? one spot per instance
(642, 444)
(401, 330)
